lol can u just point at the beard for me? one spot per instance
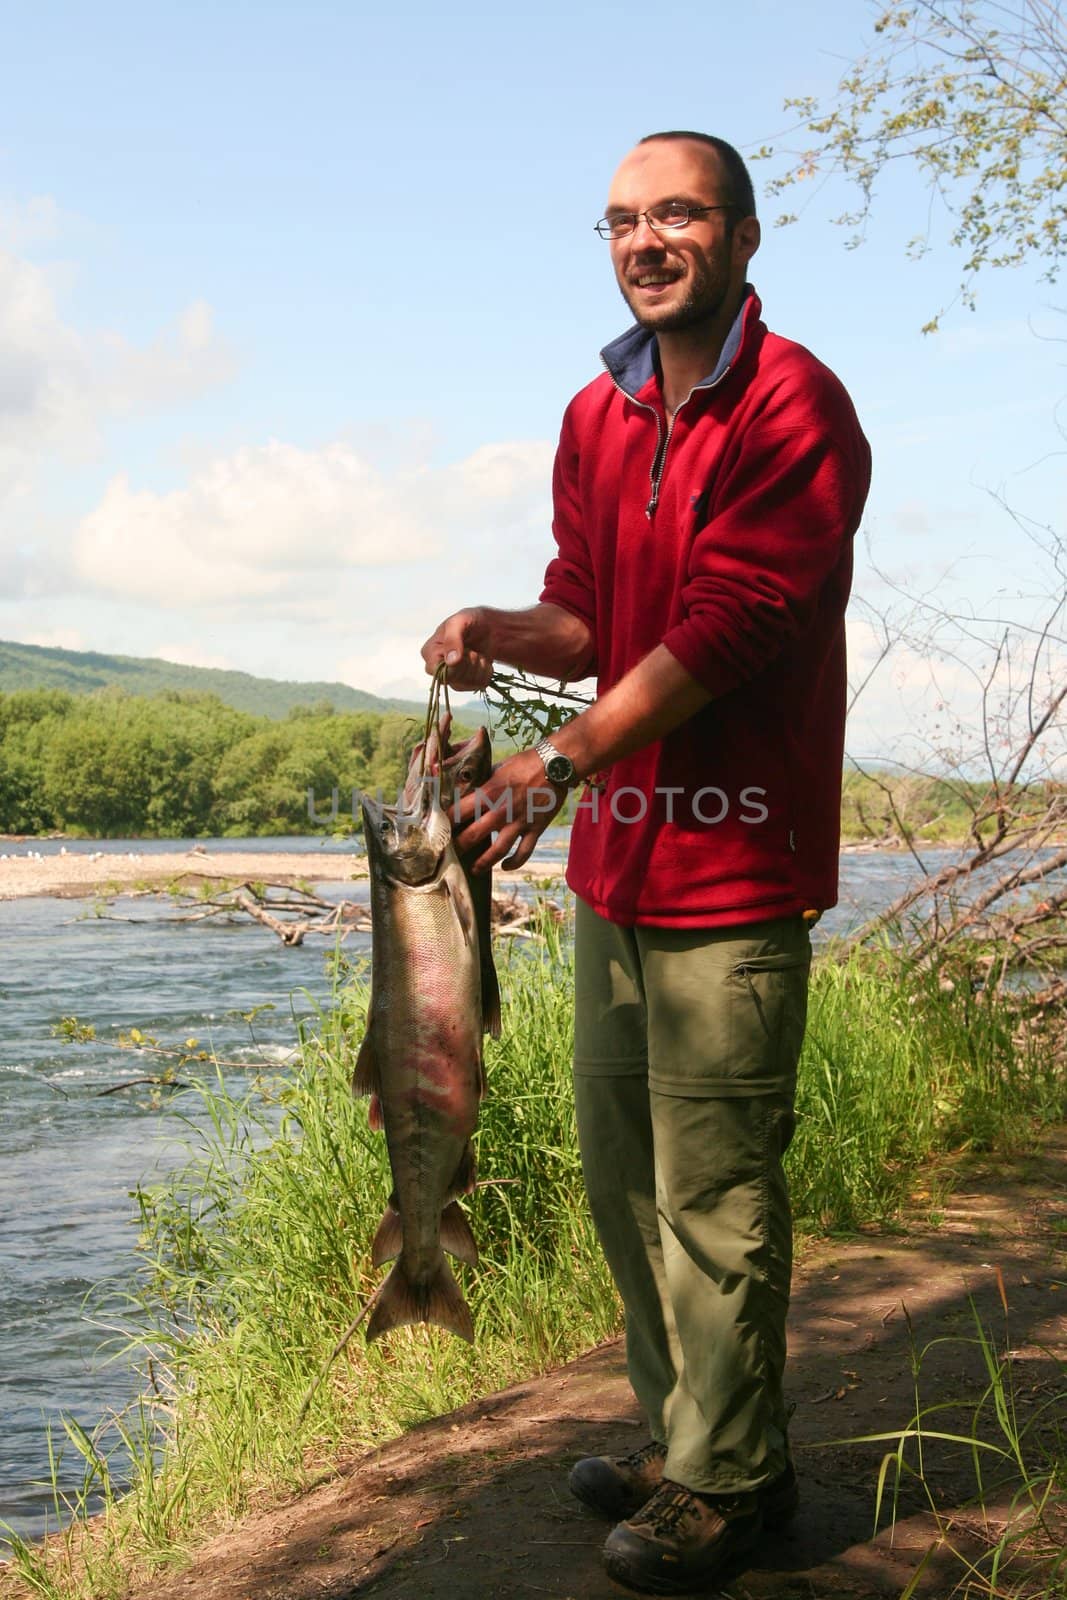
(704, 299)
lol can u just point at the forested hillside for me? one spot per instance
(30, 666)
(112, 765)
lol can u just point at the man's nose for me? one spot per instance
(644, 236)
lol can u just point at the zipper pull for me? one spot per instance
(653, 503)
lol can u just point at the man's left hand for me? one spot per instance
(517, 803)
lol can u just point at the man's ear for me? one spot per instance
(746, 238)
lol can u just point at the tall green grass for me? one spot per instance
(255, 1255)
(1010, 1543)
(903, 1066)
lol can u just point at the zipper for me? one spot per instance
(659, 459)
(660, 447)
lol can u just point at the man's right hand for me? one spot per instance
(462, 643)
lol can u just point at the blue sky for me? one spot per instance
(292, 299)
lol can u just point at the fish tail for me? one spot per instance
(402, 1302)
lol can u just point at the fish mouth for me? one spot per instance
(400, 840)
(372, 809)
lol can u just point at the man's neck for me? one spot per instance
(689, 355)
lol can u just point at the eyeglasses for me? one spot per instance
(668, 217)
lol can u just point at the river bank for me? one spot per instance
(73, 874)
(425, 1514)
(473, 1502)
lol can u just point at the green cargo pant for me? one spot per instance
(685, 1055)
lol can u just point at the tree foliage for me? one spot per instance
(114, 765)
(972, 93)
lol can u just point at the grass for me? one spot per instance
(255, 1256)
(898, 1076)
(1009, 1541)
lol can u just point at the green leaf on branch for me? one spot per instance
(528, 709)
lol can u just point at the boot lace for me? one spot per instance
(651, 1451)
(670, 1507)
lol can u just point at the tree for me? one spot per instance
(997, 908)
(973, 93)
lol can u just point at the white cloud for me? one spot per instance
(285, 525)
(389, 667)
(954, 696)
(29, 222)
(58, 385)
(193, 655)
(57, 638)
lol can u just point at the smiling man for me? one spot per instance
(706, 491)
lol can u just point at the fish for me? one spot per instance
(421, 1058)
(456, 772)
(461, 770)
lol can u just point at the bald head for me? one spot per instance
(726, 164)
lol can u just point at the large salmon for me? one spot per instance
(421, 1056)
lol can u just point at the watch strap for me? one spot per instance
(548, 753)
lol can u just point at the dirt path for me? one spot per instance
(474, 1506)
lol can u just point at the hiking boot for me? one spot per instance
(779, 1499)
(681, 1541)
(617, 1486)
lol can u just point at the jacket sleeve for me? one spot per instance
(782, 516)
(569, 581)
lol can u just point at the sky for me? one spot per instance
(292, 298)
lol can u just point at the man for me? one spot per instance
(706, 491)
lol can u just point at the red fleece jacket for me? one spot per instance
(727, 538)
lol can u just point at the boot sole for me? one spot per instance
(631, 1576)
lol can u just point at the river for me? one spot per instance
(69, 1157)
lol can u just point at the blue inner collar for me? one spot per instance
(631, 358)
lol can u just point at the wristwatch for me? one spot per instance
(559, 769)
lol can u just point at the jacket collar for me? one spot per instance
(631, 358)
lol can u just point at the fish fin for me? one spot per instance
(389, 1238)
(456, 1235)
(366, 1079)
(374, 1114)
(480, 885)
(490, 997)
(463, 914)
(463, 1182)
(401, 1303)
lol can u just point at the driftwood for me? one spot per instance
(292, 914)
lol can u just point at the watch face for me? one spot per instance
(560, 769)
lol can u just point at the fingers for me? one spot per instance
(503, 820)
(519, 857)
(459, 643)
(511, 848)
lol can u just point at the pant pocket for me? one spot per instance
(769, 1013)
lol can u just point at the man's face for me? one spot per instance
(681, 279)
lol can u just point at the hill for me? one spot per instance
(31, 666)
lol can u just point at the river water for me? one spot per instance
(70, 1157)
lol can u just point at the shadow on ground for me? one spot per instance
(474, 1506)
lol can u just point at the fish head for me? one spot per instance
(407, 842)
(465, 767)
(471, 761)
